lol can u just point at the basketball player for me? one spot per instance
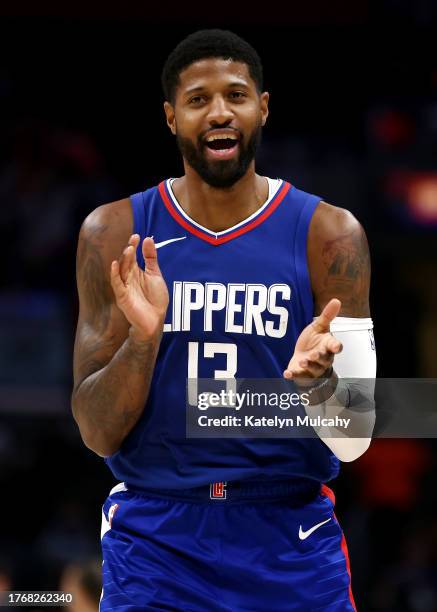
(253, 274)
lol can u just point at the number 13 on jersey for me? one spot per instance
(208, 350)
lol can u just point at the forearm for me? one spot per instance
(108, 403)
(347, 418)
(352, 399)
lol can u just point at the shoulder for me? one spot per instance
(331, 222)
(112, 217)
(108, 227)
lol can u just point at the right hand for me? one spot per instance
(142, 296)
(316, 347)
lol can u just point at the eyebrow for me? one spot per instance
(202, 87)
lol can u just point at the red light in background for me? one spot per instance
(422, 198)
(392, 128)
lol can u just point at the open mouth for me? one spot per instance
(222, 148)
(221, 144)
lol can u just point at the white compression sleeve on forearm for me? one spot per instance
(358, 357)
(356, 361)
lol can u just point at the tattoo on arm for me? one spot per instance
(112, 372)
(91, 270)
(347, 265)
(118, 391)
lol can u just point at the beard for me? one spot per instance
(220, 174)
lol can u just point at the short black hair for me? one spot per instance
(205, 44)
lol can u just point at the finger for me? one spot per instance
(313, 355)
(134, 240)
(325, 360)
(331, 310)
(133, 266)
(335, 346)
(331, 345)
(150, 256)
(127, 260)
(296, 370)
(325, 354)
(116, 283)
(300, 372)
(313, 369)
(127, 263)
(289, 374)
(293, 369)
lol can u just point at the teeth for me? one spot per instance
(221, 137)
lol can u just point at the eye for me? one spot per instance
(237, 95)
(196, 100)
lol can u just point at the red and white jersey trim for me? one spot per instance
(217, 238)
(274, 185)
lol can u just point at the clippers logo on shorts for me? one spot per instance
(111, 513)
(217, 490)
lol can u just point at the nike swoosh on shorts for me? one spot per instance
(304, 534)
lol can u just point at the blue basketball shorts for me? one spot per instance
(225, 547)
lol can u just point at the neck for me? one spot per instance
(219, 209)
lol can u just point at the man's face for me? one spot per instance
(217, 119)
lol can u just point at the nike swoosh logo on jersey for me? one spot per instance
(304, 534)
(158, 245)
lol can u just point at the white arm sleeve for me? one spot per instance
(357, 360)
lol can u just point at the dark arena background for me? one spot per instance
(353, 118)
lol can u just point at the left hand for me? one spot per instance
(316, 346)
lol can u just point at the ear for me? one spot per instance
(170, 116)
(264, 107)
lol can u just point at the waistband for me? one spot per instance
(296, 492)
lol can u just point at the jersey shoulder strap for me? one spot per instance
(138, 203)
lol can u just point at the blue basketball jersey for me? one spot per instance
(239, 299)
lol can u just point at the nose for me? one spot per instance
(219, 112)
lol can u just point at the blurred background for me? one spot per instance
(353, 118)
